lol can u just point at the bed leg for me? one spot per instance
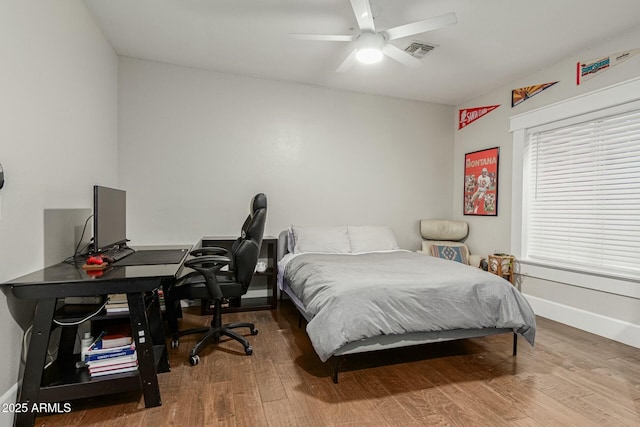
(515, 344)
(336, 368)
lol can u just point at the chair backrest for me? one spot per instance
(246, 249)
(438, 233)
(440, 229)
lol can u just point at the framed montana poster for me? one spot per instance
(481, 182)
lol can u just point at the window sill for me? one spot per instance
(599, 281)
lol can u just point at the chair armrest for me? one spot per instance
(210, 262)
(475, 260)
(209, 250)
(208, 266)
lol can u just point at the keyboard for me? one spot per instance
(118, 254)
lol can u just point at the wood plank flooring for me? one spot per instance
(569, 378)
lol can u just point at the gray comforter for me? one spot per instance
(352, 297)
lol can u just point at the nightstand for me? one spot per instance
(502, 265)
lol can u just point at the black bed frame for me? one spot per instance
(338, 359)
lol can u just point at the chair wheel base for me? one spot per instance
(248, 351)
(175, 343)
(194, 360)
(254, 332)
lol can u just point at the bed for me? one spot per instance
(359, 293)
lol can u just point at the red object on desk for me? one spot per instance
(90, 267)
(95, 260)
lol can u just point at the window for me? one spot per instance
(588, 145)
(581, 193)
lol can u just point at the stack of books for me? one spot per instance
(111, 353)
(117, 304)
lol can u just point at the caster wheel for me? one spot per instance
(194, 360)
(175, 343)
(248, 351)
(254, 332)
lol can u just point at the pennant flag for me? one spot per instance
(470, 115)
(520, 95)
(588, 69)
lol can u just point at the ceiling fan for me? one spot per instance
(371, 45)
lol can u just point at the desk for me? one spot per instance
(62, 381)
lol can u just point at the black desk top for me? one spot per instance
(64, 280)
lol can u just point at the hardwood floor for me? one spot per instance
(569, 378)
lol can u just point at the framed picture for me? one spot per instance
(481, 182)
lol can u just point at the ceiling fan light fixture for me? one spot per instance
(370, 48)
(369, 55)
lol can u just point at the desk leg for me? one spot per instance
(144, 348)
(157, 334)
(171, 307)
(67, 342)
(36, 358)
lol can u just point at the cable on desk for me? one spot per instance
(73, 259)
(77, 322)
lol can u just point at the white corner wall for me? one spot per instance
(603, 313)
(58, 137)
(195, 146)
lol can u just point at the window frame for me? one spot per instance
(610, 100)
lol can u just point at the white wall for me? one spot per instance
(577, 306)
(58, 136)
(194, 146)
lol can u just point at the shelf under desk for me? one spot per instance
(62, 378)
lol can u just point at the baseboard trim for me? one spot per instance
(608, 327)
(10, 396)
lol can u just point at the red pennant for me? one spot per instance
(470, 115)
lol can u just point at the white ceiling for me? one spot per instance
(494, 42)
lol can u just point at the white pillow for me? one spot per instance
(369, 238)
(330, 240)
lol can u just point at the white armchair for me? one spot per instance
(439, 234)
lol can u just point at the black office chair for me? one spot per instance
(208, 282)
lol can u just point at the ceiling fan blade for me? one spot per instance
(401, 56)
(322, 37)
(348, 62)
(421, 26)
(362, 10)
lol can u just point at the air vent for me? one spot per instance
(418, 49)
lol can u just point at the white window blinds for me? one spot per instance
(582, 195)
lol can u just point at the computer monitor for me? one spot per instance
(109, 218)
